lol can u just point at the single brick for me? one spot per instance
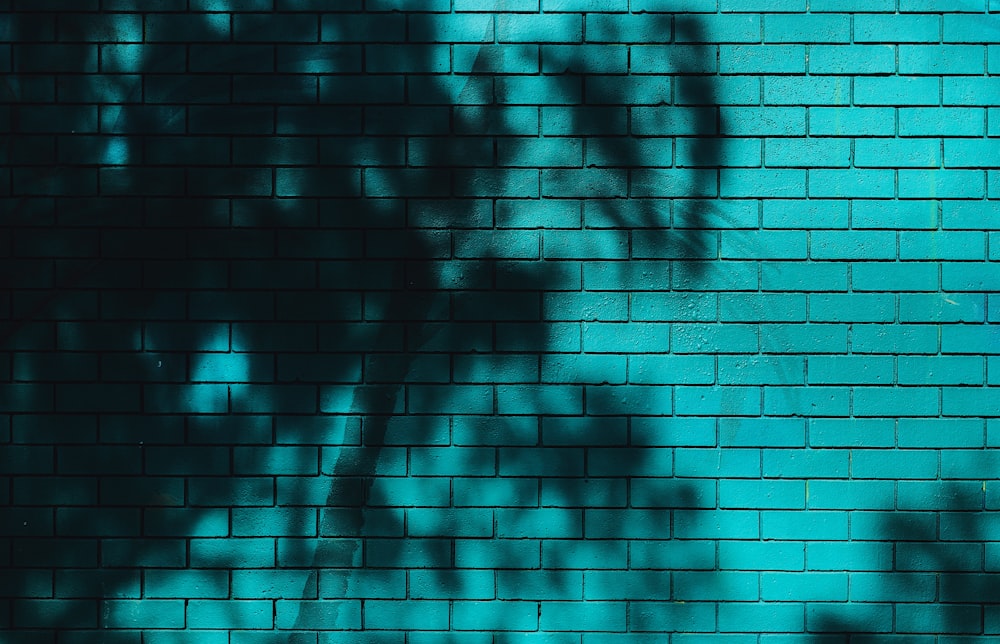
(276, 584)
(851, 555)
(55, 58)
(451, 584)
(144, 614)
(958, 277)
(35, 613)
(943, 307)
(612, 152)
(725, 90)
(853, 183)
(671, 432)
(940, 121)
(761, 555)
(895, 587)
(734, 462)
(876, 401)
(665, 59)
(193, 584)
(770, 432)
(876, 28)
(539, 461)
(941, 59)
(894, 339)
(394, 553)
(811, 401)
(831, 370)
(584, 369)
(747, 617)
(688, 617)
(716, 524)
(372, 583)
(541, 28)
(610, 28)
(969, 153)
(739, 586)
(791, 28)
(969, 90)
(799, 463)
(905, 525)
(496, 492)
(799, 276)
(809, 587)
(852, 59)
(909, 214)
(872, 618)
(365, 28)
(763, 183)
(388, 59)
(850, 495)
(325, 614)
(714, 338)
(629, 461)
(808, 153)
(763, 307)
(853, 121)
(506, 553)
(947, 184)
(938, 618)
(979, 401)
(899, 90)
(773, 494)
(672, 493)
(633, 584)
(850, 307)
(809, 525)
(670, 183)
(897, 153)
(730, 275)
(807, 90)
(588, 59)
(895, 277)
(762, 59)
(426, 27)
(568, 431)
(941, 496)
(758, 121)
(650, 369)
(494, 615)
(615, 90)
(592, 615)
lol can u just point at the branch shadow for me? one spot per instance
(941, 583)
(367, 382)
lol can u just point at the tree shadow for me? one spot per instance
(941, 582)
(319, 333)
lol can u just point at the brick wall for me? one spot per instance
(500, 321)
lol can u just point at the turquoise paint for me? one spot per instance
(561, 321)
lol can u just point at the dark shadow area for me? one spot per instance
(942, 581)
(706, 152)
(316, 313)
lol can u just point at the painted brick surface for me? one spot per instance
(496, 321)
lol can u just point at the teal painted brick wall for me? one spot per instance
(497, 321)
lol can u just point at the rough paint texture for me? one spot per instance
(500, 321)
